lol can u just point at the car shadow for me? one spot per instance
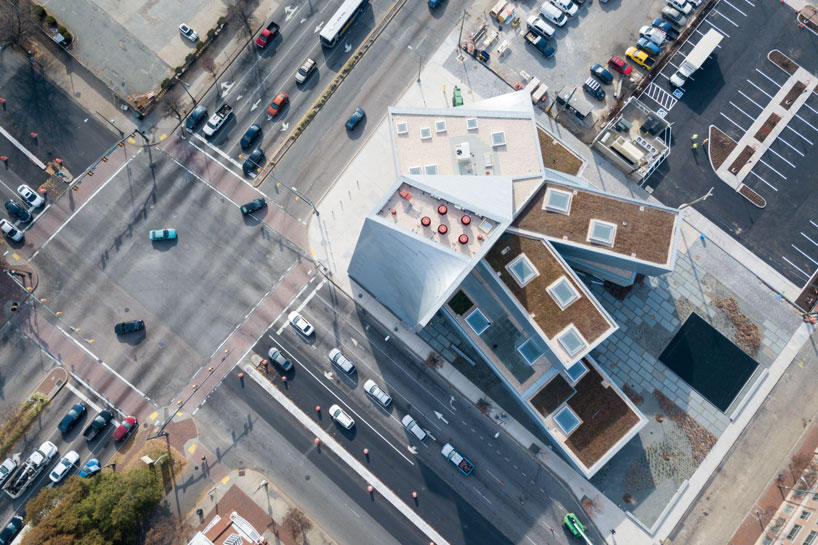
(164, 245)
(134, 338)
(349, 434)
(76, 430)
(254, 218)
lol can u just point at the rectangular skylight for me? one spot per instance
(402, 127)
(557, 200)
(498, 138)
(576, 371)
(530, 350)
(522, 270)
(440, 126)
(471, 124)
(571, 340)
(567, 420)
(602, 232)
(415, 170)
(478, 321)
(563, 292)
(431, 170)
(425, 133)
(486, 226)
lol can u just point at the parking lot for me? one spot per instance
(730, 92)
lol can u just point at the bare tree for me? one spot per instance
(297, 523)
(242, 13)
(173, 105)
(799, 462)
(765, 515)
(17, 25)
(208, 64)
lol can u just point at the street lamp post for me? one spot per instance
(184, 86)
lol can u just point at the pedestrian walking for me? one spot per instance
(695, 146)
(694, 136)
(705, 141)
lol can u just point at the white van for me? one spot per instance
(552, 13)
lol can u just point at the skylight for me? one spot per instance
(415, 170)
(471, 124)
(440, 126)
(431, 169)
(425, 133)
(571, 340)
(478, 321)
(522, 270)
(530, 350)
(567, 420)
(602, 232)
(498, 138)
(563, 292)
(402, 127)
(576, 371)
(557, 200)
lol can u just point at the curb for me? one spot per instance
(52, 383)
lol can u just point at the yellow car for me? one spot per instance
(640, 57)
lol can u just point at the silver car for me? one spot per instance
(343, 363)
(278, 358)
(375, 391)
(414, 428)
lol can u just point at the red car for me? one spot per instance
(278, 103)
(620, 66)
(126, 429)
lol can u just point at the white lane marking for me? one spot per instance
(763, 180)
(790, 146)
(481, 494)
(750, 99)
(22, 148)
(201, 179)
(796, 267)
(769, 78)
(780, 157)
(353, 510)
(809, 239)
(742, 111)
(723, 33)
(77, 211)
(807, 122)
(751, 4)
(813, 223)
(810, 107)
(717, 12)
(351, 461)
(496, 478)
(214, 148)
(803, 253)
(80, 394)
(733, 122)
(734, 7)
(531, 540)
(760, 89)
(766, 164)
(804, 138)
(242, 179)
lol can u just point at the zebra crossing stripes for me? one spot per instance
(661, 97)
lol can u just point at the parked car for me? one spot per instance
(665, 26)
(342, 362)
(680, 5)
(414, 428)
(566, 6)
(355, 118)
(306, 70)
(592, 86)
(254, 162)
(64, 466)
(30, 197)
(375, 391)
(640, 57)
(126, 429)
(552, 14)
(163, 234)
(90, 468)
(11, 530)
(300, 324)
(278, 358)
(539, 27)
(11, 231)
(649, 47)
(49, 450)
(128, 327)
(70, 419)
(620, 66)
(16, 211)
(601, 74)
(250, 136)
(659, 37)
(342, 418)
(675, 17)
(198, 115)
(6, 469)
(252, 206)
(99, 423)
(278, 103)
(434, 3)
(188, 33)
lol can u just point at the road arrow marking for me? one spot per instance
(413, 450)
(284, 126)
(255, 105)
(226, 86)
(347, 48)
(432, 436)
(319, 27)
(451, 402)
(440, 416)
(290, 11)
(328, 375)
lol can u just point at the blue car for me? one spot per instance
(90, 468)
(250, 136)
(198, 115)
(163, 234)
(665, 26)
(71, 417)
(17, 211)
(648, 47)
(355, 118)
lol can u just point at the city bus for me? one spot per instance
(340, 22)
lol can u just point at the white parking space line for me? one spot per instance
(804, 138)
(760, 89)
(766, 164)
(809, 239)
(661, 97)
(769, 78)
(780, 157)
(803, 253)
(733, 122)
(807, 123)
(734, 7)
(751, 4)
(717, 12)
(752, 118)
(763, 180)
(83, 397)
(717, 28)
(813, 223)
(790, 146)
(796, 267)
(751, 100)
(811, 108)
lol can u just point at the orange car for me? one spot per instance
(278, 103)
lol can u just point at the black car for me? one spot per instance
(250, 136)
(198, 114)
(601, 74)
(129, 327)
(592, 86)
(11, 530)
(17, 211)
(253, 162)
(97, 425)
(252, 206)
(71, 417)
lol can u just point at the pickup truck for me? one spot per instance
(267, 35)
(449, 452)
(540, 44)
(218, 119)
(97, 425)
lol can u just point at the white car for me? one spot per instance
(375, 391)
(343, 363)
(49, 449)
(10, 231)
(64, 466)
(30, 197)
(188, 33)
(6, 469)
(414, 428)
(567, 6)
(552, 14)
(302, 325)
(342, 418)
(680, 5)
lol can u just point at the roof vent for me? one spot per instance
(471, 124)
(442, 229)
(463, 239)
(426, 221)
(463, 152)
(425, 133)
(465, 220)
(402, 127)
(442, 209)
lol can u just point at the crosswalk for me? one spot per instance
(665, 100)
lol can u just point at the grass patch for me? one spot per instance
(460, 303)
(17, 424)
(557, 156)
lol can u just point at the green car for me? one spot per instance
(163, 234)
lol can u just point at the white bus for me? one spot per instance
(340, 22)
